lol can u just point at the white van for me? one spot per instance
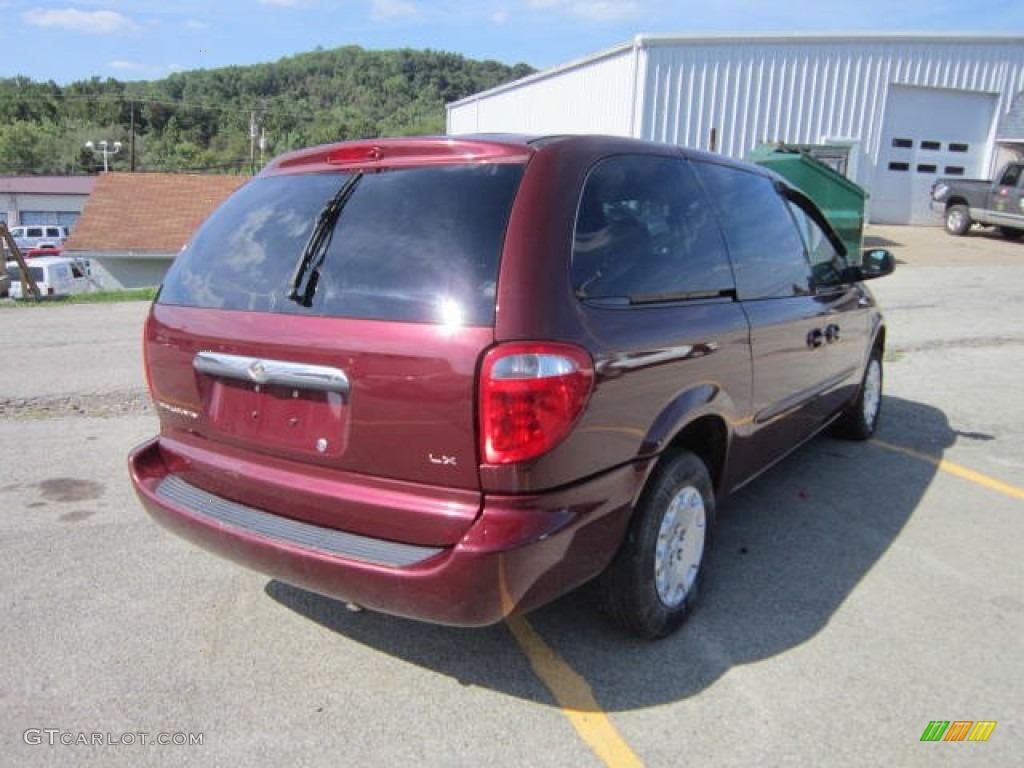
(31, 235)
(55, 276)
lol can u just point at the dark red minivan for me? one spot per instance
(453, 378)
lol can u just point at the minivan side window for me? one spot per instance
(826, 262)
(765, 247)
(644, 232)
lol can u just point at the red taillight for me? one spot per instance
(530, 398)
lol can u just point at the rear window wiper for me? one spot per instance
(307, 271)
(655, 298)
(660, 298)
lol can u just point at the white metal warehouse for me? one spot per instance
(898, 110)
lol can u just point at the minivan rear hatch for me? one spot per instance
(323, 328)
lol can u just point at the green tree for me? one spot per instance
(201, 119)
(29, 148)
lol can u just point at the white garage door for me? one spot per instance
(927, 133)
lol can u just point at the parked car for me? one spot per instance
(965, 202)
(32, 236)
(455, 378)
(54, 276)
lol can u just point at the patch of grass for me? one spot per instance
(95, 297)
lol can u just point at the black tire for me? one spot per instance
(860, 418)
(677, 509)
(958, 220)
(1010, 233)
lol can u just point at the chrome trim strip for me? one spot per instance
(172, 489)
(282, 373)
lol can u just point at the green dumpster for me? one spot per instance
(839, 199)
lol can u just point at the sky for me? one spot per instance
(70, 40)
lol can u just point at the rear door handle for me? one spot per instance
(815, 338)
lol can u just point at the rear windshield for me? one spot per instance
(414, 245)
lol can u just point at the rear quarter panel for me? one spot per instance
(647, 360)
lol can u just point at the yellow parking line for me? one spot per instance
(573, 692)
(955, 469)
(574, 696)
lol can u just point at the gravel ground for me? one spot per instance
(127, 402)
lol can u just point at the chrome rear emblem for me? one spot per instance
(177, 410)
(258, 372)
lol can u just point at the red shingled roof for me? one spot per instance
(148, 211)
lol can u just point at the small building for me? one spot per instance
(43, 199)
(134, 224)
(893, 111)
(1010, 134)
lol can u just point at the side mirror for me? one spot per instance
(877, 262)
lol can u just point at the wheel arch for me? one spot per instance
(708, 438)
(703, 431)
(878, 338)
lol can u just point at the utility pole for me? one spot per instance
(256, 133)
(252, 143)
(131, 144)
(28, 283)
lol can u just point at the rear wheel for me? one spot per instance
(1010, 233)
(860, 418)
(653, 582)
(958, 219)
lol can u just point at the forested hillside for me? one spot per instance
(213, 120)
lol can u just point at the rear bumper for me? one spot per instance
(521, 552)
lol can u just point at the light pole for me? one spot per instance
(103, 147)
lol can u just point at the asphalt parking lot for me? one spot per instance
(857, 591)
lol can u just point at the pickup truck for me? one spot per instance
(1000, 203)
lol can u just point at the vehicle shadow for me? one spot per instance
(988, 233)
(878, 241)
(788, 551)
